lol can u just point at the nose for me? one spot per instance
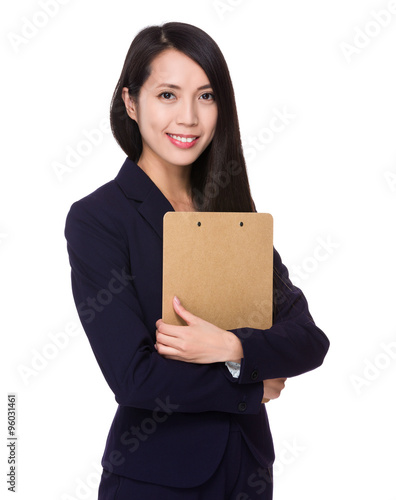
(187, 113)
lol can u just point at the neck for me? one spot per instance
(172, 180)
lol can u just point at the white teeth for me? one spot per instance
(182, 139)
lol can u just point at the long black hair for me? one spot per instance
(219, 178)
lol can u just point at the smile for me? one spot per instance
(183, 141)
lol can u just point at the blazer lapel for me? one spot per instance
(137, 185)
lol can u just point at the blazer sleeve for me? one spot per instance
(293, 345)
(112, 318)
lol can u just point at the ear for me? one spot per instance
(130, 104)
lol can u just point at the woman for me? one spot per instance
(190, 422)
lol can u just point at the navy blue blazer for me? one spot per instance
(172, 421)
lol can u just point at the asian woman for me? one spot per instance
(191, 422)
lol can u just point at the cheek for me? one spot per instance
(157, 119)
(152, 118)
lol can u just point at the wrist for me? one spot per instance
(234, 350)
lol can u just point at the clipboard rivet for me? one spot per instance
(241, 223)
(198, 223)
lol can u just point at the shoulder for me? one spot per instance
(102, 209)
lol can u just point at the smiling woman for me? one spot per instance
(179, 75)
(190, 422)
(177, 121)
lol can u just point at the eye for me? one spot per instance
(166, 95)
(205, 96)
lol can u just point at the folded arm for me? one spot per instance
(292, 346)
(111, 315)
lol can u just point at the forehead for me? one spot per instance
(173, 66)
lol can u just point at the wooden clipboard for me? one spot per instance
(220, 265)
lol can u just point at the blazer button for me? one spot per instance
(254, 375)
(242, 406)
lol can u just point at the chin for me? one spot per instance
(184, 160)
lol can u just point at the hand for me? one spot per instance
(198, 342)
(273, 388)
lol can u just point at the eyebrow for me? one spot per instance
(172, 86)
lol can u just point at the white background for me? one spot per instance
(329, 175)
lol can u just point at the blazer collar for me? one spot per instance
(137, 185)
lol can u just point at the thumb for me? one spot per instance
(181, 311)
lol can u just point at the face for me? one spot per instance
(176, 111)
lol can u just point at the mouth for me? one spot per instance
(183, 140)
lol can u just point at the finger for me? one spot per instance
(182, 311)
(168, 340)
(168, 351)
(170, 330)
(161, 324)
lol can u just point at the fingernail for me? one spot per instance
(176, 300)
